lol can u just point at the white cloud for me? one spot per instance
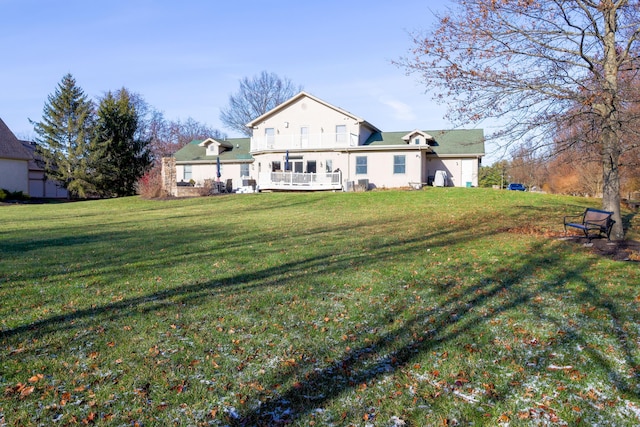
(401, 111)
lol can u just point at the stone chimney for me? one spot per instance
(169, 180)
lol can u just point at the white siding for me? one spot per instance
(14, 175)
(207, 171)
(319, 123)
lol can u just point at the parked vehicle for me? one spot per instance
(516, 187)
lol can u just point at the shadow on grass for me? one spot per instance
(457, 315)
(281, 274)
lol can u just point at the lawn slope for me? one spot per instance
(434, 307)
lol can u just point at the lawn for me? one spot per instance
(391, 308)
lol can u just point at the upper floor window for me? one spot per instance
(304, 135)
(270, 135)
(417, 141)
(399, 164)
(361, 165)
(341, 133)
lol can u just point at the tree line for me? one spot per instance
(110, 147)
(113, 147)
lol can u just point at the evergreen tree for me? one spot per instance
(494, 175)
(120, 156)
(64, 136)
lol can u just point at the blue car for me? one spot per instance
(516, 187)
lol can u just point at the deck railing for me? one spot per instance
(300, 181)
(308, 141)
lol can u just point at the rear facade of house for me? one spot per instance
(307, 144)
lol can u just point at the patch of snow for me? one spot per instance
(232, 412)
(396, 422)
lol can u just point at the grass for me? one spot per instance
(433, 307)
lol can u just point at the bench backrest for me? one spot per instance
(597, 216)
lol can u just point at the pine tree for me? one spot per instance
(64, 136)
(119, 155)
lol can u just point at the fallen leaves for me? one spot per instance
(36, 378)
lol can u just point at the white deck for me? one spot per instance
(300, 181)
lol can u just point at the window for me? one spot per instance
(244, 169)
(341, 133)
(361, 165)
(417, 140)
(311, 166)
(399, 164)
(187, 173)
(329, 165)
(270, 136)
(275, 166)
(304, 136)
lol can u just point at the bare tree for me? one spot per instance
(255, 97)
(168, 136)
(527, 167)
(528, 63)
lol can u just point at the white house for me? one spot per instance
(308, 144)
(200, 162)
(21, 169)
(39, 184)
(14, 162)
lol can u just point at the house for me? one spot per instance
(14, 162)
(22, 169)
(203, 162)
(306, 143)
(39, 185)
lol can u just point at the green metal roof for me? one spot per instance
(194, 152)
(447, 142)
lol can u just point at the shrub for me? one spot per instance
(150, 185)
(12, 195)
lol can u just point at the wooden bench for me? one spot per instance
(591, 220)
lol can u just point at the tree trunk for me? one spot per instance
(611, 181)
(611, 129)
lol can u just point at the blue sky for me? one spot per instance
(186, 57)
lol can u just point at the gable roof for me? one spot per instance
(411, 134)
(197, 151)
(304, 94)
(224, 143)
(10, 146)
(444, 143)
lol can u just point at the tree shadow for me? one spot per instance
(390, 351)
(281, 274)
(398, 349)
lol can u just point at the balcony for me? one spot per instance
(318, 141)
(293, 181)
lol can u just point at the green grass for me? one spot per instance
(433, 307)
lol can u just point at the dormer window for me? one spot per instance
(215, 148)
(418, 137)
